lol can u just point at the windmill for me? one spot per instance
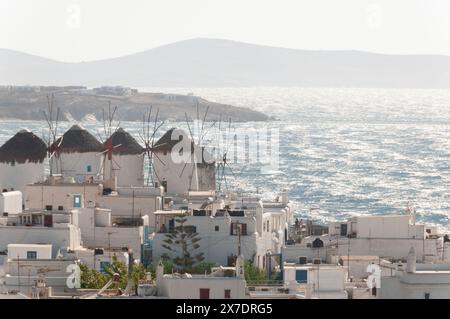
(223, 163)
(199, 126)
(107, 141)
(149, 129)
(51, 116)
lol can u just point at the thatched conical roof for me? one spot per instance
(23, 147)
(166, 143)
(78, 140)
(128, 144)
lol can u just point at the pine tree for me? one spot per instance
(183, 242)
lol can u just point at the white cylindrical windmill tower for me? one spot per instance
(124, 159)
(77, 155)
(22, 161)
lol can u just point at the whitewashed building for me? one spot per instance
(28, 263)
(181, 165)
(388, 236)
(101, 230)
(124, 159)
(233, 227)
(11, 202)
(127, 202)
(222, 283)
(417, 281)
(21, 161)
(325, 281)
(77, 155)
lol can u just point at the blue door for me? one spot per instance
(77, 201)
(301, 276)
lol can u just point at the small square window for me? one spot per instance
(89, 168)
(60, 208)
(31, 255)
(427, 295)
(216, 228)
(227, 294)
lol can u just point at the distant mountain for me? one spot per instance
(219, 63)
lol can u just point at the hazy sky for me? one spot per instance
(81, 30)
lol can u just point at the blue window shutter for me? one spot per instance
(301, 276)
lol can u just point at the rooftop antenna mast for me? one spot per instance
(51, 116)
(149, 129)
(108, 146)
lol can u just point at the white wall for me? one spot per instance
(19, 175)
(129, 169)
(30, 270)
(387, 227)
(20, 251)
(11, 202)
(414, 286)
(61, 237)
(216, 245)
(75, 165)
(97, 237)
(390, 248)
(325, 281)
(189, 288)
(37, 196)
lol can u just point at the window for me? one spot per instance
(190, 229)
(427, 295)
(48, 207)
(31, 255)
(267, 227)
(238, 228)
(227, 294)
(204, 293)
(89, 168)
(301, 276)
(216, 228)
(60, 208)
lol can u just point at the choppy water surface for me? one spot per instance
(342, 151)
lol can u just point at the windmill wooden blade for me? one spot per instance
(182, 171)
(231, 170)
(115, 162)
(159, 159)
(189, 127)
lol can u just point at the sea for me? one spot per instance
(343, 152)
